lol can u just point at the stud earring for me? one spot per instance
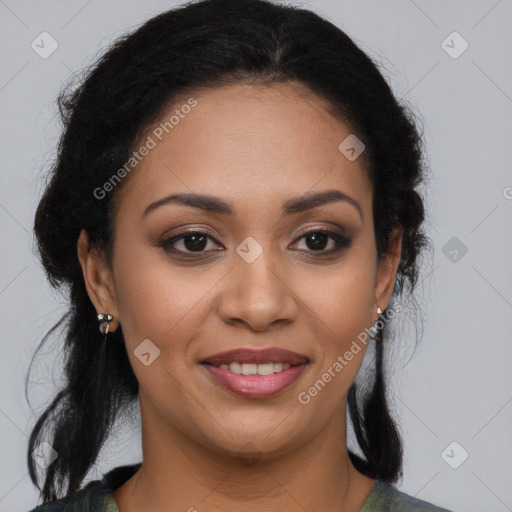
(104, 319)
(379, 311)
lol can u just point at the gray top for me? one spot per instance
(97, 496)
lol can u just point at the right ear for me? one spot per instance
(98, 278)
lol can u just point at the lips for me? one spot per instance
(247, 356)
(256, 373)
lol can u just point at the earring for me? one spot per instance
(379, 311)
(104, 319)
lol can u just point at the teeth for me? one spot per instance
(235, 368)
(255, 369)
(266, 369)
(249, 369)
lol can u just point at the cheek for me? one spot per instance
(341, 306)
(342, 299)
(150, 298)
(159, 304)
(158, 301)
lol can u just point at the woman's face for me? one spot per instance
(251, 278)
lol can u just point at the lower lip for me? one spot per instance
(256, 386)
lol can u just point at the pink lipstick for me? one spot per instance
(256, 373)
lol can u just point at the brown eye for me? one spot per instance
(187, 242)
(320, 240)
(195, 242)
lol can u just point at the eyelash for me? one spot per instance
(342, 242)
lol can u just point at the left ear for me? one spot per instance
(386, 271)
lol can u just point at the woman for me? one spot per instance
(234, 209)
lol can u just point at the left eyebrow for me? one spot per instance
(313, 200)
(218, 205)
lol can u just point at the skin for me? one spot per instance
(204, 447)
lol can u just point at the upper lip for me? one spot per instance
(267, 355)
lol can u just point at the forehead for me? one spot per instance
(247, 142)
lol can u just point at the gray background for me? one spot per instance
(457, 386)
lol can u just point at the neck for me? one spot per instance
(315, 475)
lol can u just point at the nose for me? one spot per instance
(258, 295)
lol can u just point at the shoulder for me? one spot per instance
(87, 499)
(92, 498)
(385, 497)
(96, 496)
